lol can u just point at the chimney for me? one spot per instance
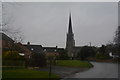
(28, 43)
(56, 47)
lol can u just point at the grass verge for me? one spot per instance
(26, 73)
(74, 63)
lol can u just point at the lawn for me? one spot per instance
(74, 63)
(30, 73)
(26, 73)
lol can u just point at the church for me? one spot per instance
(71, 49)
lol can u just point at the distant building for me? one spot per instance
(113, 55)
(77, 50)
(38, 49)
(53, 50)
(71, 49)
(50, 49)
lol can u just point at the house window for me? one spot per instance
(55, 50)
(32, 49)
(44, 50)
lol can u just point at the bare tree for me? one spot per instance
(117, 36)
(117, 41)
(7, 20)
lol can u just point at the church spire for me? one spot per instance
(70, 42)
(70, 24)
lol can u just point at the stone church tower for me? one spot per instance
(70, 42)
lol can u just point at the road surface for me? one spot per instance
(100, 70)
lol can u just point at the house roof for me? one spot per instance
(5, 37)
(49, 47)
(53, 49)
(77, 46)
(35, 48)
(60, 49)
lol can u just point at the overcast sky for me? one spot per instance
(46, 24)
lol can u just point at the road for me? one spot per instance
(100, 70)
(63, 71)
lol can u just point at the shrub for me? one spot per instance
(12, 55)
(12, 58)
(101, 56)
(63, 55)
(37, 60)
(85, 52)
